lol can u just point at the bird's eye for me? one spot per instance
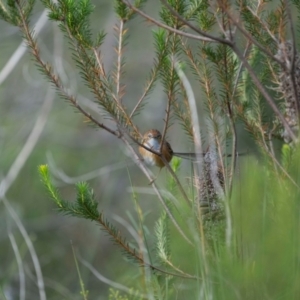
(149, 135)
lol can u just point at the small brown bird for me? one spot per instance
(152, 140)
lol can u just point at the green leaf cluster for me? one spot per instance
(85, 205)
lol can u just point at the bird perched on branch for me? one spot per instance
(206, 183)
(152, 139)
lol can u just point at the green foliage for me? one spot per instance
(50, 188)
(252, 250)
(162, 236)
(9, 12)
(287, 156)
(166, 48)
(29, 7)
(167, 16)
(116, 295)
(74, 17)
(205, 18)
(85, 205)
(265, 218)
(83, 291)
(121, 9)
(160, 37)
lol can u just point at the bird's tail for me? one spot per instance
(193, 155)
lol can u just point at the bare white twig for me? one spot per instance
(149, 191)
(130, 229)
(60, 174)
(36, 132)
(21, 50)
(34, 257)
(141, 244)
(111, 283)
(194, 115)
(20, 265)
(198, 150)
(119, 61)
(13, 174)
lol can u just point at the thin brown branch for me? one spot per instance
(239, 72)
(196, 29)
(170, 96)
(94, 85)
(179, 185)
(276, 162)
(166, 119)
(166, 165)
(171, 29)
(99, 61)
(194, 65)
(234, 146)
(146, 90)
(99, 72)
(263, 91)
(105, 79)
(133, 253)
(248, 35)
(54, 78)
(263, 145)
(263, 24)
(152, 79)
